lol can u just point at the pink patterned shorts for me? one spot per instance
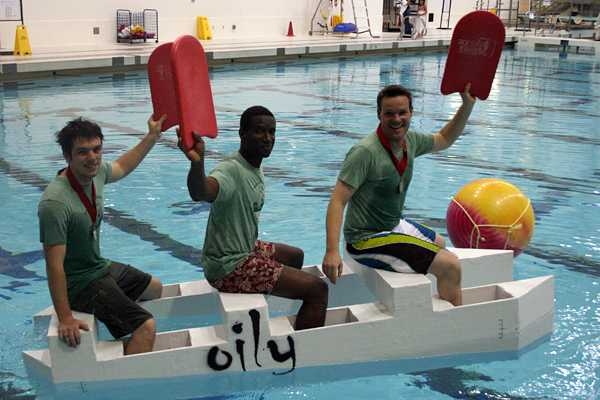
(258, 273)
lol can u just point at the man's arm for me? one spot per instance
(452, 130)
(132, 158)
(200, 187)
(68, 326)
(332, 262)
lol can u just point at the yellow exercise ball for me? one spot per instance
(490, 213)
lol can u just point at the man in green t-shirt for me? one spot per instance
(374, 179)
(233, 259)
(70, 212)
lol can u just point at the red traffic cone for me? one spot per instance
(290, 30)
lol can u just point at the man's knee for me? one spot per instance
(452, 269)
(153, 291)
(142, 339)
(146, 330)
(319, 291)
(298, 257)
(310, 288)
(446, 266)
(290, 256)
(295, 257)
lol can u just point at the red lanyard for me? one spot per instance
(90, 206)
(399, 164)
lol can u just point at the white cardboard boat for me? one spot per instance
(378, 322)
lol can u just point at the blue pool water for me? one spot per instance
(539, 129)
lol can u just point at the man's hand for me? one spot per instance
(332, 266)
(155, 127)
(467, 98)
(196, 153)
(68, 331)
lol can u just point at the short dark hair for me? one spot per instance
(250, 112)
(77, 128)
(394, 91)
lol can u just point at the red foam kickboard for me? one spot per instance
(192, 85)
(474, 53)
(160, 76)
(180, 88)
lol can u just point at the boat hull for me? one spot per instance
(401, 325)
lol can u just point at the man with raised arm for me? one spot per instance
(234, 260)
(374, 179)
(70, 212)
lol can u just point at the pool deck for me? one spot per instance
(119, 57)
(563, 44)
(124, 56)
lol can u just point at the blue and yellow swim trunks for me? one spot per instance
(408, 243)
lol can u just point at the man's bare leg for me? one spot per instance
(313, 291)
(289, 255)
(447, 270)
(153, 291)
(142, 339)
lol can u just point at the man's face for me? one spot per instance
(260, 136)
(86, 157)
(395, 117)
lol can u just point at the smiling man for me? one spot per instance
(70, 213)
(233, 258)
(374, 179)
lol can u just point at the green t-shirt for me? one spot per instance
(378, 200)
(232, 227)
(64, 220)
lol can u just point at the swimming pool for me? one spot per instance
(538, 130)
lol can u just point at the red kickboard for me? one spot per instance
(180, 88)
(192, 85)
(474, 53)
(160, 76)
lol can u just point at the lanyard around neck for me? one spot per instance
(399, 164)
(90, 206)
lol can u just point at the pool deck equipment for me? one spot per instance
(377, 322)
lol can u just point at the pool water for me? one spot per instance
(539, 129)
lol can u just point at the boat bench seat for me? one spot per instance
(397, 291)
(402, 291)
(236, 302)
(245, 308)
(186, 298)
(89, 350)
